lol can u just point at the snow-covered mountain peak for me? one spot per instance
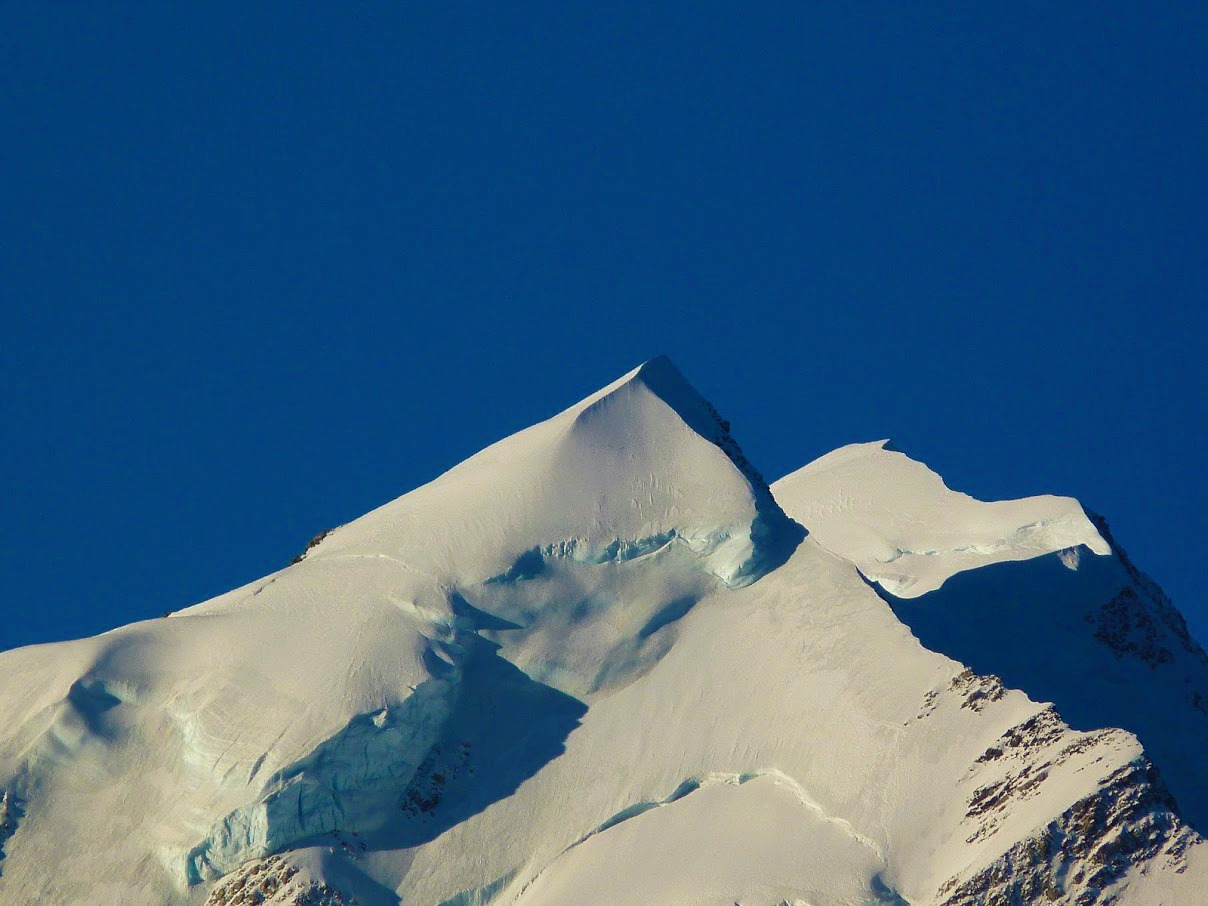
(663, 380)
(597, 663)
(906, 530)
(640, 462)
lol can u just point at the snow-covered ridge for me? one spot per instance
(598, 663)
(646, 424)
(904, 529)
(644, 458)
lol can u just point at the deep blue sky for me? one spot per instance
(266, 267)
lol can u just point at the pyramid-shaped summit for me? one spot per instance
(646, 457)
(660, 377)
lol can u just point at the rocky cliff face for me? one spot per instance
(10, 814)
(1129, 825)
(1140, 621)
(274, 882)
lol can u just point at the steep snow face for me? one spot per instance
(342, 783)
(1033, 591)
(305, 704)
(800, 695)
(165, 752)
(907, 531)
(644, 461)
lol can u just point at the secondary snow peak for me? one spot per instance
(906, 530)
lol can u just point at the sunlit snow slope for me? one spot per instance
(602, 662)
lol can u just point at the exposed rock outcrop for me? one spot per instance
(274, 882)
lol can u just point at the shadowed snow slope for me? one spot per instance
(1033, 591)
(597, 663)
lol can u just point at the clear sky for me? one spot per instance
(267, 267)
